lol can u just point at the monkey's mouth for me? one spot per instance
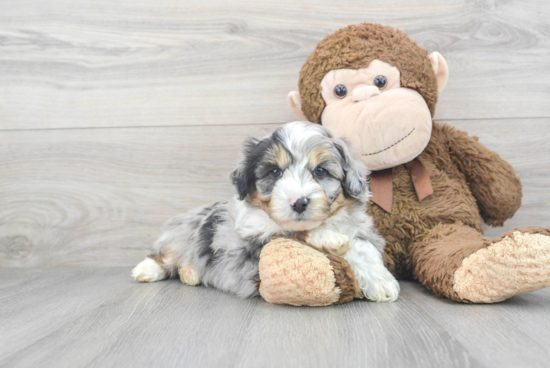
(387, 148)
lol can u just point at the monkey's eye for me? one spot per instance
(320, 172)
(340, 91)
(380, 81)
(276, 174)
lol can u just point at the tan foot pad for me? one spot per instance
(296, 274)
(514, 265)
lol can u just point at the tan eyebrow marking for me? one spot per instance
(317, 156)
(279, 157)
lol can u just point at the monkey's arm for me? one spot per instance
(492, 180)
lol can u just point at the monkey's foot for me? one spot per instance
(517, 263)
(294, 273)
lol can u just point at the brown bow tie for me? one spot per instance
(381, 184)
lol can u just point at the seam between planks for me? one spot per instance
(244, 124)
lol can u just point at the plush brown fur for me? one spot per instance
(457, 165)
(441, 251)
(345, 279)
(354, 47)
(430, 240)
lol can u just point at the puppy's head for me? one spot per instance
(300, 175)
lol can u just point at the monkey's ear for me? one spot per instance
(440, 68)
(295, 102)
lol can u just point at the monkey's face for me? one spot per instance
(386, 125)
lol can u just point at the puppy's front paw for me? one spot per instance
(329, 241)
(383, 287)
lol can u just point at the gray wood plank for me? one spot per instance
(161, 324)
(68, 63)
(513, 333)
(15, 276)
(45, 299)
(360, 333)
(98, 196)
(170, 325)
(78, 197)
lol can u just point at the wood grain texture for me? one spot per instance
(99, 196)
(514, 333)
(37, 302)
(81, 63)
(168, 324)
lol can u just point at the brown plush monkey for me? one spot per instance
(375, 87)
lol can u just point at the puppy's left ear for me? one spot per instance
(356, 174)
(243, 176)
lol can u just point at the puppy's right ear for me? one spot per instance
(243, 175)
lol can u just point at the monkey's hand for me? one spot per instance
(493, 181)
(329, 241)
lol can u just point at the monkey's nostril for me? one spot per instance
(300, 205)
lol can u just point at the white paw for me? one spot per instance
(329, 241)
(383, 287)
(189, 275)
(148, 270)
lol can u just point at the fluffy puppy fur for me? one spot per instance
(298, 182)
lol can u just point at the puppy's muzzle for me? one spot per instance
(300, 205)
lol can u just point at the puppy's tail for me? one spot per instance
(149, 270)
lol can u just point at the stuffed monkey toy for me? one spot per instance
(376, 88)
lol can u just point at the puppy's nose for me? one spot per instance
(300, 204)
(364, 93)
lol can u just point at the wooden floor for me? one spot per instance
(98, 317)
(117, 115)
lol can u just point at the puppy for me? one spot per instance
(298, 182)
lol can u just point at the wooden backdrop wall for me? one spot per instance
(117, 115)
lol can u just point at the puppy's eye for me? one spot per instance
(320, 172)
(276, 174)
(340, 91)
(380, 81)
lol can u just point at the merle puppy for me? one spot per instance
(298, 182)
